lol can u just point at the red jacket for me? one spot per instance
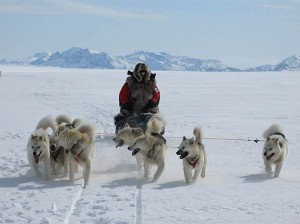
(125, 96)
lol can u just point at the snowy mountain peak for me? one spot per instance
(289, 64)
(77, 57)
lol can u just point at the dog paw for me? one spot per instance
(190, 181)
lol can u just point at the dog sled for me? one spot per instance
(140, 120)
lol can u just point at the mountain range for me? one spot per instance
(84, 58)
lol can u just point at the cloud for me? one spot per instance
(277, 6)
(61, 7)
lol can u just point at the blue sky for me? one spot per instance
(241, 33)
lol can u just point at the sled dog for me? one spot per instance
(152, 145)
(126, 136)
(58, 156)
(38, 146)
(275, 149)
(193, 154)
(78, 144)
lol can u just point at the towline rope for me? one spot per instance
(208, 138)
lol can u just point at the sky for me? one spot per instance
(235, 190)
(239, 33)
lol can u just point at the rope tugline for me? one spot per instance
(208, 138)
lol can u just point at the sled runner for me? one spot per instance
(139, 120)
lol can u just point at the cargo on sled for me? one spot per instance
(138, 120)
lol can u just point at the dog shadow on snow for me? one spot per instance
(133, 181)
(128, 182)
(257, 178)
(173, 184)
(119, 168)
(29, 181)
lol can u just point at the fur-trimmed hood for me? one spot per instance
(141, 73)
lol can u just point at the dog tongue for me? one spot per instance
(121, 143)
(36, 159)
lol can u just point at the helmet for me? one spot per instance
(141, 72)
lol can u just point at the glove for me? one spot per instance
(151, 107)
(152, 110)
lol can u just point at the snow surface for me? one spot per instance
(231, 106)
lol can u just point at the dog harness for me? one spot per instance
(55, 155)
(278, 133)
(194, 163)
(76, 157)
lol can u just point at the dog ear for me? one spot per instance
(183, 138)
(130, 73)
(127, 125)
(275, 139)
(137, 131)
(280, 144)
(42, 138)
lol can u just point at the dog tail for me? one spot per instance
(63, 118)
(156, 124)
(198, 134)
(89, 129)
(77, 122)
(274, 128)
(47, 122)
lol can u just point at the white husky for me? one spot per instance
(38, 146)
(152, 145)
(126, 136)
(78, 144)
(275, 149)
(193, 154)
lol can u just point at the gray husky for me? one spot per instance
(126, 136)
(152, 146)
(193, 154)
(57, 155)
(78, 144)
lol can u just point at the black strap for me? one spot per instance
(278, 133)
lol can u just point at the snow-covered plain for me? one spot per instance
(230, 108)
